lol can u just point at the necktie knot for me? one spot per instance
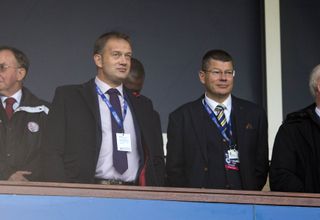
(220, 108)
(113, 91)
(10, 101)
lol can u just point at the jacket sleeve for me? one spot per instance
(283, 164)
(54, 141)
(158, 155)
(262, 159)
(175, 160)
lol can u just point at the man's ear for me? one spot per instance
(202, 76)
(98, 60)
(22, 72)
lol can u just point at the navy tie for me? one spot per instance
(120, 161)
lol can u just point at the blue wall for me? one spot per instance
(59, 207)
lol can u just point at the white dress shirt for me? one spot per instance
(17, 96)
(318, 111)
(105, 169)
(227, 103)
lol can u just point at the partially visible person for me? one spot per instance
(296, 151)
(136, 76)
(217, 141)
(134, 82)
(22, 120)
(98, 132)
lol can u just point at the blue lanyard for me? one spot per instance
(112, 110)
(214, 119)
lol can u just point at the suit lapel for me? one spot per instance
(134, 105)
(88, 92)
(199, 119)
(239, 120)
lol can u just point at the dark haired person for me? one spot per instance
(135, 79)
(217, 141)
(22, 120)
(98, 132)
(296, 151)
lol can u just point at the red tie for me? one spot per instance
(9, 106)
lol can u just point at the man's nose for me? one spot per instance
(123, 59)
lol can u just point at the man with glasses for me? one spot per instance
(218, 141)
(22, 120)
(99, 132)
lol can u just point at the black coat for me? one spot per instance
(21, 136)
(73, 136)
(187, 149)
(296, 153)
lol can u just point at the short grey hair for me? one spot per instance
(313, 81)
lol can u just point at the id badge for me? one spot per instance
(123, 142)
(233, 154)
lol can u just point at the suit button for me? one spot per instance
(224, 140)
(205, 169)
(8, 155)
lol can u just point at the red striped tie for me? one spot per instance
(9, 106)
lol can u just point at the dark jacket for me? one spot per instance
(73, 136)
(187, 148)
(21, 136)
(296, 153)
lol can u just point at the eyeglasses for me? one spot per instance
(219, 73)
(4, 67)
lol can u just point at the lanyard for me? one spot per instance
(112, 110)
(214, 119)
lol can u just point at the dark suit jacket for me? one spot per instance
(73, 136)
(187, 158)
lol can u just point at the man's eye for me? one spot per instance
(116, 55)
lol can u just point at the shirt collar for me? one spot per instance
(17, 96)
(105, 87)
(317, 111)
(213, 104)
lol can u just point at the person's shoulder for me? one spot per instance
(186, 107)
(32, 99)
(248, 106)
(70, 89)
(299, 116)
(245, 103)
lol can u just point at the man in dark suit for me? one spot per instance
(98, 132)
(218, 141)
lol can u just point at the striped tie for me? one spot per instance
(221, 116)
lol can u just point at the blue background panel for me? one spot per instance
(286, 212)
(14, 207)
